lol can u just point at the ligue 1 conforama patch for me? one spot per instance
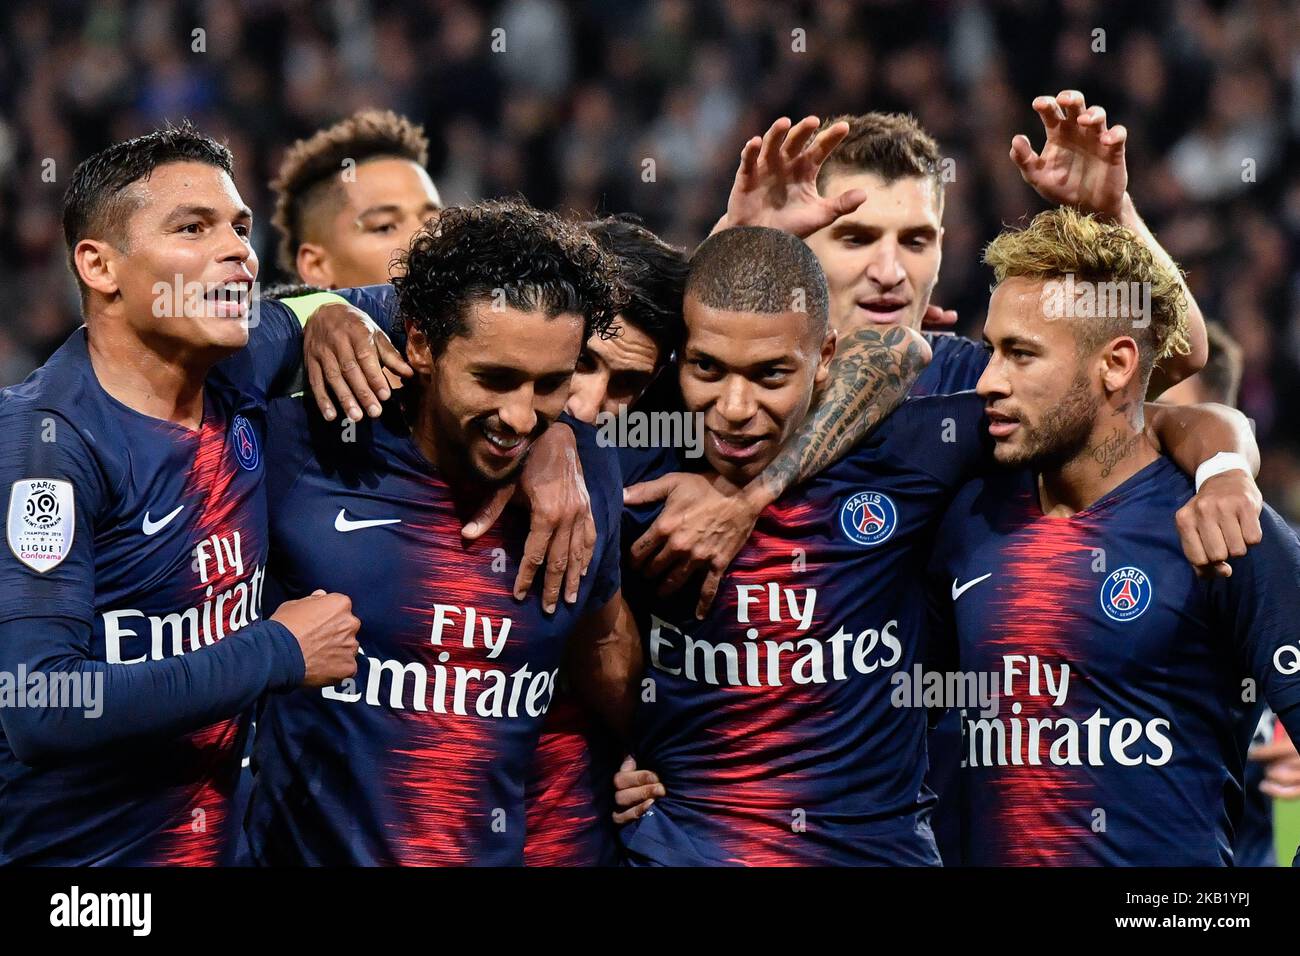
(868, 518)
(42, 522)
(1126, 594)
(245, 441)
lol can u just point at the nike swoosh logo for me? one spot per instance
(959, 591)
(153, 527)
(344, 523)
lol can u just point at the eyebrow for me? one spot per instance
(843, 228)
(394, 208)
(205, 212)
(489, 368)
(385, 207)
(693, 353)
(1011, 341)
(851, 228)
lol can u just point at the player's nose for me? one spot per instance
(518, 411)
(736, 401)
(993, 382)
(884, 268)
(235, 247)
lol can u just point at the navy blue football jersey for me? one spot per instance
(1127, 684)
(133, 575)
(422, 757)
(956, 364)
(772, 721)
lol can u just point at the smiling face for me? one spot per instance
(354, 244)
(491, 393)
(882, 260)
(613, 372)
(188, 234)
(1040, 398)
(753, 376)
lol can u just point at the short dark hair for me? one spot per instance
(308, 170)
(892, 146)
(534, 259)
(654, 274)
(756, 269)
(97, 203)
(1220, 380)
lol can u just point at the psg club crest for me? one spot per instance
(868, 518)
(42, 522)
(245, 440)
(1125, 594)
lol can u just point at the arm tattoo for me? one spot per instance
(869, 376)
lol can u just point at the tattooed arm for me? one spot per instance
(703, 528)
(870, 374)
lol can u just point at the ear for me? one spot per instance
(314, 266)
(418, 353)
(1123, 360)
(96, 263)
(824, 360)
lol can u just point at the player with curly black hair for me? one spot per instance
(422, 759)
(497, 300)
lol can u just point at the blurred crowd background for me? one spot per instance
(586, 91)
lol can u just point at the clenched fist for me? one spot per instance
(326, 631)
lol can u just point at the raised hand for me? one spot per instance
(1082, 163)
(776, 183)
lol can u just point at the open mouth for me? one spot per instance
(228, 299)
(884, 311)
(737, 448)
(503, 445)
(1000, 425)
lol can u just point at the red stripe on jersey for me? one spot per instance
(201, 830)
(437, 780)
(756, 798)
(1035, 597)
(561, 809)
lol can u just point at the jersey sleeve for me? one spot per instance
(271, 363)
(1260, 606)
(129, 701)
(944, 436)
(58, 495)
(55, 492)
(380, 303)
(965, 362)
(638, 465)
(600, 468)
